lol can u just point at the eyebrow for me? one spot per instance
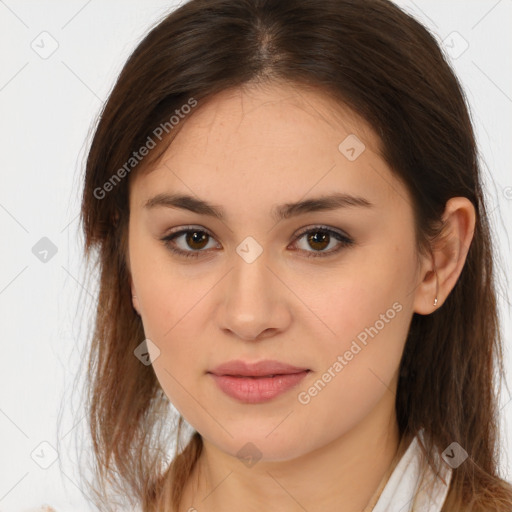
(280, 212)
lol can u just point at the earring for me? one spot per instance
(437, 288)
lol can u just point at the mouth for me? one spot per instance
(258, 382)
(256, 390)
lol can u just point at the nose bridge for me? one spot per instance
(253, 301)
(250, 285)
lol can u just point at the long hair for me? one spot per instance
(388, 68)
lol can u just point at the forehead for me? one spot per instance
(269, 140)
(276, 115)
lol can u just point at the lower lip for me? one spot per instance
(257, 390)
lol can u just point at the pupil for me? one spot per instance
(322, 239)
(196, 237)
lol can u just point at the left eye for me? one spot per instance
(319, 238)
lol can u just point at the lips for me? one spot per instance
(266, 368)
(256, 383)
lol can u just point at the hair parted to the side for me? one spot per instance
(388, 68)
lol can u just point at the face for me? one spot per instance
(327, 287)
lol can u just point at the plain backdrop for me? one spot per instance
(59, 62)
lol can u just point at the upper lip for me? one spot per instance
(258, 369)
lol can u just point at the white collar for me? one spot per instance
(404, 490)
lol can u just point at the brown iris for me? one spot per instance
(197, 237)
(319, 238)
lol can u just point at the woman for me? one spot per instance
(294, 252)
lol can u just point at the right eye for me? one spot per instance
(191, 238)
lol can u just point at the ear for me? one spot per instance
(448, 256)
(135, 300)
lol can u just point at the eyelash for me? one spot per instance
(344, 240)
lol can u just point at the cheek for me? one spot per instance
(358, 367)
(370, 292)
(170, 307)
(366, 314)
(167, 296)
(174, 311)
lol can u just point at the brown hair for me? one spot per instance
(388, 68)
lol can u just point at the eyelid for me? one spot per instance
(320, 227)
(186, 228)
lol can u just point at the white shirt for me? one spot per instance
(404, 490)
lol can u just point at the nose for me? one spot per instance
(255, 304)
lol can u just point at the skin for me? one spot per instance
(246, 151)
